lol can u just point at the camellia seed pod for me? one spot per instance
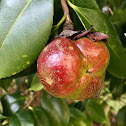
(73, 69)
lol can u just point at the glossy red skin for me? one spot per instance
(63, 67)
(96, 59)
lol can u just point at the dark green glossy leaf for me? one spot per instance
(12, 103)
(29, 70)
(77, 23)
(101, 3)
(25, 28)
(57, 109)
(21, 118)
(5, 83)
(95, 112)
(61, 109)
(119, 21)
(40, 117)
(36, 84)
(116, 87)
(102, 23)
(78, 118)
(121, 117)
(86, 4)
(119, 17)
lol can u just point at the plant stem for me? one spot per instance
(68, 24)
(56, 27)
(62, 20)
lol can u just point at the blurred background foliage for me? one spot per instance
(23, 101)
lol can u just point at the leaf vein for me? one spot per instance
(15, 23)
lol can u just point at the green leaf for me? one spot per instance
(36, 84)
(58, 11)
(80, 105)
(95, 112)
(119, 17)
(12, 103)
(101, 3)
(25, 28)
(5, 83)
(121, 117)
(56, 109)
(56, 27)
(102, 24)
(78, 118)
(123, 5)
(40, 117)
(116, 87)
(86, 4)
(61, 109)
(2, 117)
(29, 70)
(21, 118)
(77, 23)
(118, 3)
(119, 20)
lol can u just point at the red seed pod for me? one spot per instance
(73, 69)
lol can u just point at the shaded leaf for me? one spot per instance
(25, 28)
(80, 105)
(121, 117)
(58, 12)
(61, 109)
(56, 109)
(2, 117)
(95, 112)
(116, 87)
(119, 21)
(12, 103)
(118, 3)
(102, 24)
(56, 27)
(5, 83)
(101, 3)
(36, 84)
(78, 118)
(21, 118)
(77, 23)
(40, 117)
(123, 6)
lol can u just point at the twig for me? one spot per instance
(110, 10)
(68, 24)
(30, 101)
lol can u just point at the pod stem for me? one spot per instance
(99, 83)
(68, 23)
